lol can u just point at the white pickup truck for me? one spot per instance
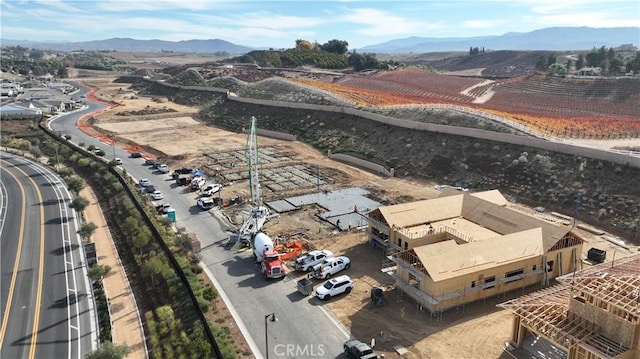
(330, 266)
(312, 258)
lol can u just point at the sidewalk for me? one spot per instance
(125, 323)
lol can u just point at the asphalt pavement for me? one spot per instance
(48, 308)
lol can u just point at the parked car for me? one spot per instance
(150, 188)
(160, 207)
(156, 195)
(330, 266)
(335, 286)
(210, 189)
(356, 349)
(183, 171)
(166, 207)
(309, 260)
(136, 154)
(151, 162)
(118, 161)
(99, 152)
(144, 182)
(377, 297)
(205, 203)
(162, 168)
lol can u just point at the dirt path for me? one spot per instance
(125, 323)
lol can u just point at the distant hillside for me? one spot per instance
(552, 39)
(131, 45)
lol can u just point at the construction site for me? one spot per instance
(304, 195)
(593, 313)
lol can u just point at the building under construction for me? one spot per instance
(462, 247)
(593, 313)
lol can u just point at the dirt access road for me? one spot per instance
(478, 330)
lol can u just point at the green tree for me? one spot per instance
(153, 267)
(96, 273)
(558, 70)
(75, 184)
(130, 226)
(20, 143)
(634, 64)
(339, 47)
(109, 351)
(79, 204)
(141, 239)
(87, 230)
(580, 62)
(541, 63)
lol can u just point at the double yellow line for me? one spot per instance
(7, 309)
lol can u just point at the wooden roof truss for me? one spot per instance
(613, 286)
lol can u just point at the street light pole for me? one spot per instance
(113, 146)
(271, 318)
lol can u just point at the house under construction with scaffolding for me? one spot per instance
(593, 313)
(462, 247)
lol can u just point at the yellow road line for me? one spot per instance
(7, 307)
(36, 318)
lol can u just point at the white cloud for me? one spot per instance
(58, 4)
(262, 19)
(20, 33)
(382, 23)
(159, 5)
(592, 19)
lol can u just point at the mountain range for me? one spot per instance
(552, 38)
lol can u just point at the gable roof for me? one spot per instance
(420, 212)
(486, 209)
(448, 259)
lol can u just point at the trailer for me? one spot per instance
(183, 179)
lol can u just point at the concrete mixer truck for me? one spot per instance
(264, 253)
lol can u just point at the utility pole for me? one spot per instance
(113, 147)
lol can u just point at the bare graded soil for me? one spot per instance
(478, 330)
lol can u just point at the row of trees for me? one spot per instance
(333, 54)
(173, 327)
(611, 62)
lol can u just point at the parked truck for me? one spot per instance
(272, 265)
(330, 266)
(261, 244)
(183, 179)
(268, 257)
(312, 258)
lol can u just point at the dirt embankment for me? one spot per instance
(526, 175)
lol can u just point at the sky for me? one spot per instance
(278, 24)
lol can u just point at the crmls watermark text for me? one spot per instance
(299, 350)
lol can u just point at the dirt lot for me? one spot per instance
(479, 330)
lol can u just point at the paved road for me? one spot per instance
(304, 328)
(48, 309)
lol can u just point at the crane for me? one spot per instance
(259, 214)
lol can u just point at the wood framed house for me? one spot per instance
(593, 313)
(461, 247)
